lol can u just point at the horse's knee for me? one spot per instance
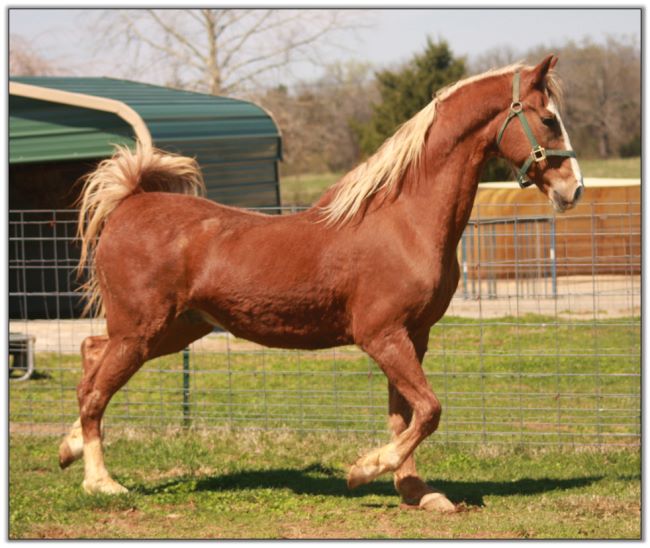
(92, 405)
(429, 415)
(83, 389)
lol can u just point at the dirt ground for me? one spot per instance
(578, 298)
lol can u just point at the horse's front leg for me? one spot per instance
(409, 485)
(396, 355)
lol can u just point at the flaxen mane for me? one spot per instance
(388, 165)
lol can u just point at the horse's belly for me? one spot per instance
(272, 324)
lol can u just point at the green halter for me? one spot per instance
(538, 153)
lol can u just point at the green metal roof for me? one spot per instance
(236, 142)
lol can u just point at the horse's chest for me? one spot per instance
(439, 293)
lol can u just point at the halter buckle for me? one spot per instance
(516, 106)
(539, 153)
(524, 181)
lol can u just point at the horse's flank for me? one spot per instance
(124, 174)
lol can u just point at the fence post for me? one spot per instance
(463, 247)
(186, 388)
(492, 271)
(553, 259)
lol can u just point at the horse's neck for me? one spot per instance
(439, 195)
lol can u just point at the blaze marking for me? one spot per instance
(567, 143)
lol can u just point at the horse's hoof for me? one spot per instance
(437, 502)
(72, 446)
(106, 486)
(356, 476)
(66, 458)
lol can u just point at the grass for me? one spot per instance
(301, 190)
(285, 485)
(305, 189)
(538, 380)
(615, 168)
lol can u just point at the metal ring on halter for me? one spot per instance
(516, 106)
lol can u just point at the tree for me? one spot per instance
(406, 91)
(603, 93)
(317, 118)
(495, 57)
(24, 60)
(602, 84)
(221, 51)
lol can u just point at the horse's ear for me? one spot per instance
(538, 74)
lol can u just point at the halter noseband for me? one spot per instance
(537, 153)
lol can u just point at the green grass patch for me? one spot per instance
(615, 168)
(305, 189)
(285, 485)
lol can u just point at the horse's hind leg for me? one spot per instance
(123, 354)
(397, 356)
(121, 358)
(71, 448)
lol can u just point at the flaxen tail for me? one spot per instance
(127, 172)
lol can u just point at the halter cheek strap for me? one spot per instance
(537, 153)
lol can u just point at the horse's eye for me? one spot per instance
(550, 121)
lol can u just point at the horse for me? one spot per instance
(372, 263)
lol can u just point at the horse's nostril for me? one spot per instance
(578, 193)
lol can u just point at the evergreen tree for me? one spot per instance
(408, 90)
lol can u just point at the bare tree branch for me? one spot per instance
(220, 50)
(169, 29)
(136, 36)
(242, 38)
(24, 60)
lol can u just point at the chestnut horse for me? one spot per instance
(373, 263)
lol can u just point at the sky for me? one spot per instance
(391, 36)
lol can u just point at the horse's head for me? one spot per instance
(533, 138)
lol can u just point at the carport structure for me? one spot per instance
(59, 128)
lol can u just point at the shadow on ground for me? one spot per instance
(319, 480)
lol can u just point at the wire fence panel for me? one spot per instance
(540, 345)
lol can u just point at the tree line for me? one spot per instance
(334, 122)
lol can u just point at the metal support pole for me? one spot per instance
(186, 388)
(463, 248)
(553, 259)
